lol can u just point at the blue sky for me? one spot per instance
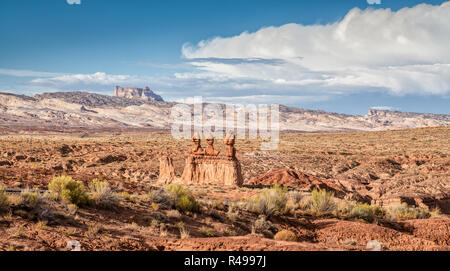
(341, 56)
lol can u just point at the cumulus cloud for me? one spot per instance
(403, 52)
(399, 52)
(83, 81)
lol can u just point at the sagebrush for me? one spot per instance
(67, 189)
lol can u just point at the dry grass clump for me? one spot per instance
(403, 211)
(294, 199)
(262, 225)
(183, 232)
(30, 198)
(173, 214)
(102, 195)
(67, 189)
(208, 232)
(285, 235)
(232, 215)
(15, 200)
(322, 202)
(436, 213)
(269, 201)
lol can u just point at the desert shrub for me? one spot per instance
(262, 225)
(403, 211)
(183, 200)
(124, 195)
(72, 208)
(208, 232)
(285, 235)
(294, 198)
(322, 202)
(361, 211)
(269, 201)
(218, 204)
(294, 201)
(15, 199)
(232, 215)
(31, 198)
(68, 189)
(102, 195)
(3, 197)
(161, 198)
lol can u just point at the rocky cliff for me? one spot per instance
(144, 94)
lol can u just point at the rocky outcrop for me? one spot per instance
(294, 178)
(202, 170)
(144, 94)
(205, 167)
(166, 170)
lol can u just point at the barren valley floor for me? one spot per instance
(383, 168)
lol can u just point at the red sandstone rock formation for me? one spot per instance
(206, 170)
(205, 167)
(229, 142)
(197, 149)
(210, 149)
(166, 170)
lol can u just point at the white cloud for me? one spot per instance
(403, 52)
(72, 2)
(257, 99)
(27, 73)
(85, 81)
(383, 107)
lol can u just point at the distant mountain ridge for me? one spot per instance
(90, 110)
(92, 99)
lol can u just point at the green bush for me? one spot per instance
(403, 211)
(3, 197)
(68, 189)
(362, 211)
(269, 202)
(322, 202)
(102, 195)
(285, 235)
(183, 200)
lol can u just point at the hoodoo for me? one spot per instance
(206, 167)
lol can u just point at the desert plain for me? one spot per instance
(332, 191)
